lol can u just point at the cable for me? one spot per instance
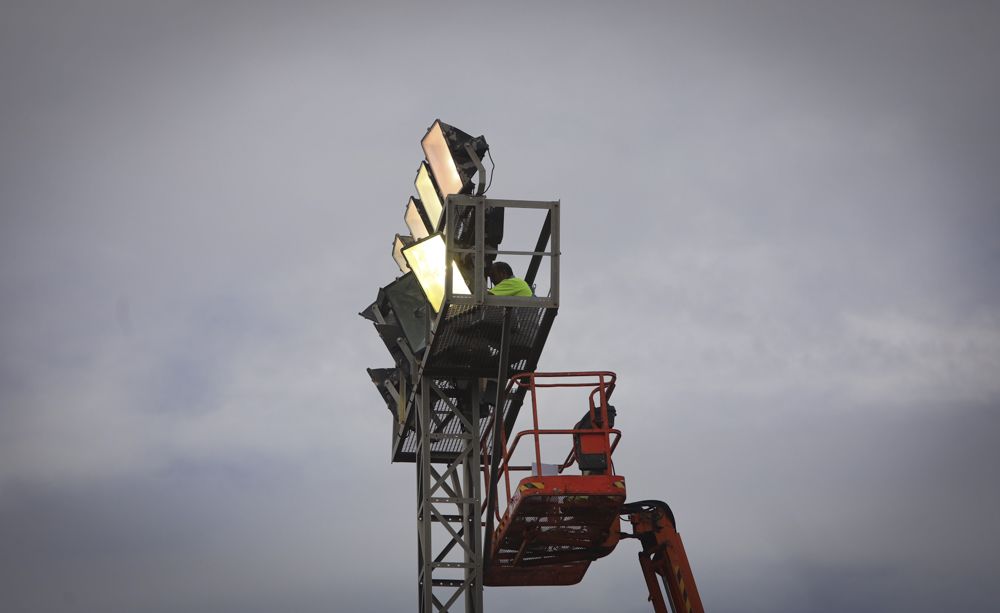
(493, 166)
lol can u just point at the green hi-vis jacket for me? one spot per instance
(511, 287)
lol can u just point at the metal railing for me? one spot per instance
(465, 240)
(602, 384)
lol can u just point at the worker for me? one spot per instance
(592, 463)
(505, 283)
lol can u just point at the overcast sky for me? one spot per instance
(781, 227)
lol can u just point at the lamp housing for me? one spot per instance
(416, 219)
(428, 260)
(384, 379)
(398, 244)
(427, 190)
(450, 160)
(404, 300)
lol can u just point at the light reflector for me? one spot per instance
(397, 251)
(427, 261)
(415, 220)
(445, 149)
(441, 161)
(428, 195)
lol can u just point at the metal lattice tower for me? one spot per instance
(449, 497)
(443, 390)
(464, 362)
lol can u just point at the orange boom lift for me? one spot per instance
(559, 518)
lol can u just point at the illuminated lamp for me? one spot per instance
(428, 196)
(416, 219)
(445, 149)
(397, 251)
(427, 261)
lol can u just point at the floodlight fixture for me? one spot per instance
(428, 195)
(454, 157)
(397, 251)
(416, 219)
(369, 312)
(427, 260)
(404, 299)
(384, 378)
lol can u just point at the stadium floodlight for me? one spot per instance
(405, 301)
(416, 219)
(398, 245)
(450, 153)
(428, 262)
(428, 195)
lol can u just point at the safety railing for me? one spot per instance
(473, 233)
(604, 437)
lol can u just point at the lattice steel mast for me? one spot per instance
(451, 341)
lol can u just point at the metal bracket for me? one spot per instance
(479, 168)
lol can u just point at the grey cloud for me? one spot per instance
(780, 228)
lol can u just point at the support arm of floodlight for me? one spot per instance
(480, 170)
(386, 380)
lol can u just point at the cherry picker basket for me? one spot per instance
(557, 518)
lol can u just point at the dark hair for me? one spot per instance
(502, 268)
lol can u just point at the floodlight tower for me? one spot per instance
(451, 342)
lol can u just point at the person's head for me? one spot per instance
(612, 413)
(500, 271)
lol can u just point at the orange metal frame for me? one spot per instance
(603, 384)
(554, 526)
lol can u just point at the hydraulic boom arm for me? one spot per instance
(663, 555)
